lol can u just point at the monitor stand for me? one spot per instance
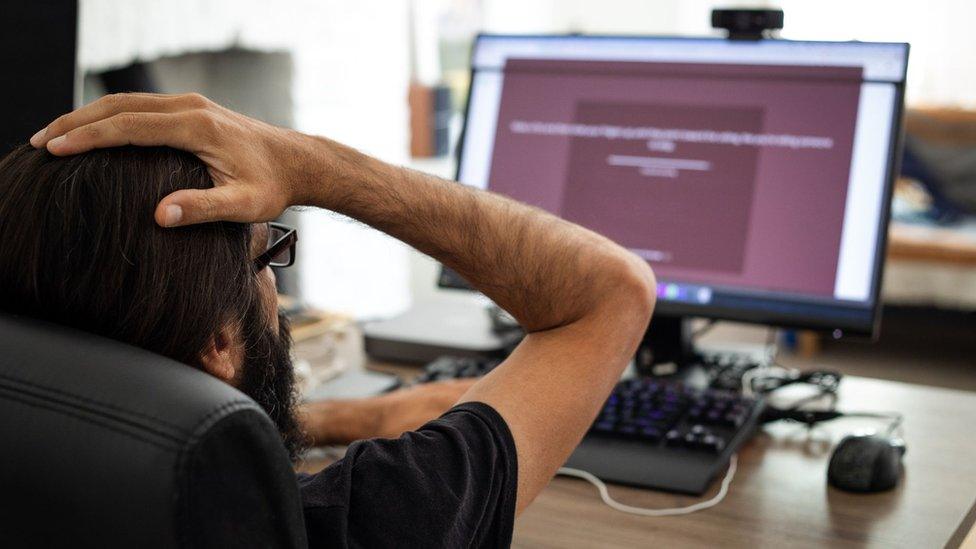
(668, 340)
(668, 351)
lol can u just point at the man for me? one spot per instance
(459, 480)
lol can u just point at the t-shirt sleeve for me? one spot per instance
(451, 483)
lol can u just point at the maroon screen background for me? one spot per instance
(766, 218)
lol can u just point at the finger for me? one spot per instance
(111, 105)
(191, 206)
(182, 130)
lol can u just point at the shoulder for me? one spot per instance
(462, 467)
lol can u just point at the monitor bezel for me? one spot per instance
(839, 327)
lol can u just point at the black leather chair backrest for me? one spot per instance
(103, 444)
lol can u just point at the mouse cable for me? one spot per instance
(643, 511)
(895, 419)
(813, 417)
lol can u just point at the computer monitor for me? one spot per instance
(754, 176)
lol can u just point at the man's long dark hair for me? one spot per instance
(79, 246)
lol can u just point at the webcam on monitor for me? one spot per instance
(747, 24)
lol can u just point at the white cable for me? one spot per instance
(614, 504)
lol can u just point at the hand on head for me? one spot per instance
(253, 164)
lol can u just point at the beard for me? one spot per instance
(268, 378)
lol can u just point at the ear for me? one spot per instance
(221, 359)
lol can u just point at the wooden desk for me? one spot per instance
(780, 497)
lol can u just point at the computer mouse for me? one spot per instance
(866, 463)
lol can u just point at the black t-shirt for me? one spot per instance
(451, 483)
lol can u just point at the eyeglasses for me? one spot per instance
(281, 247)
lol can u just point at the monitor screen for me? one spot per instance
(753, 176)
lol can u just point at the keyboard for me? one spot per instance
(666, 435)
(651, 433)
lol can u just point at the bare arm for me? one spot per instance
(342, 421)
(545, 271)
(584, 301)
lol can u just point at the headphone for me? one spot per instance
(765, 381)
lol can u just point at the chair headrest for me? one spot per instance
(104, 443)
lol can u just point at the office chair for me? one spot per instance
(106, 444)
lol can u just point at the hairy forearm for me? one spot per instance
(342, 421)
(543, 270)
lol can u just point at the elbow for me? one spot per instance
(634, 291)
(643, 285)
